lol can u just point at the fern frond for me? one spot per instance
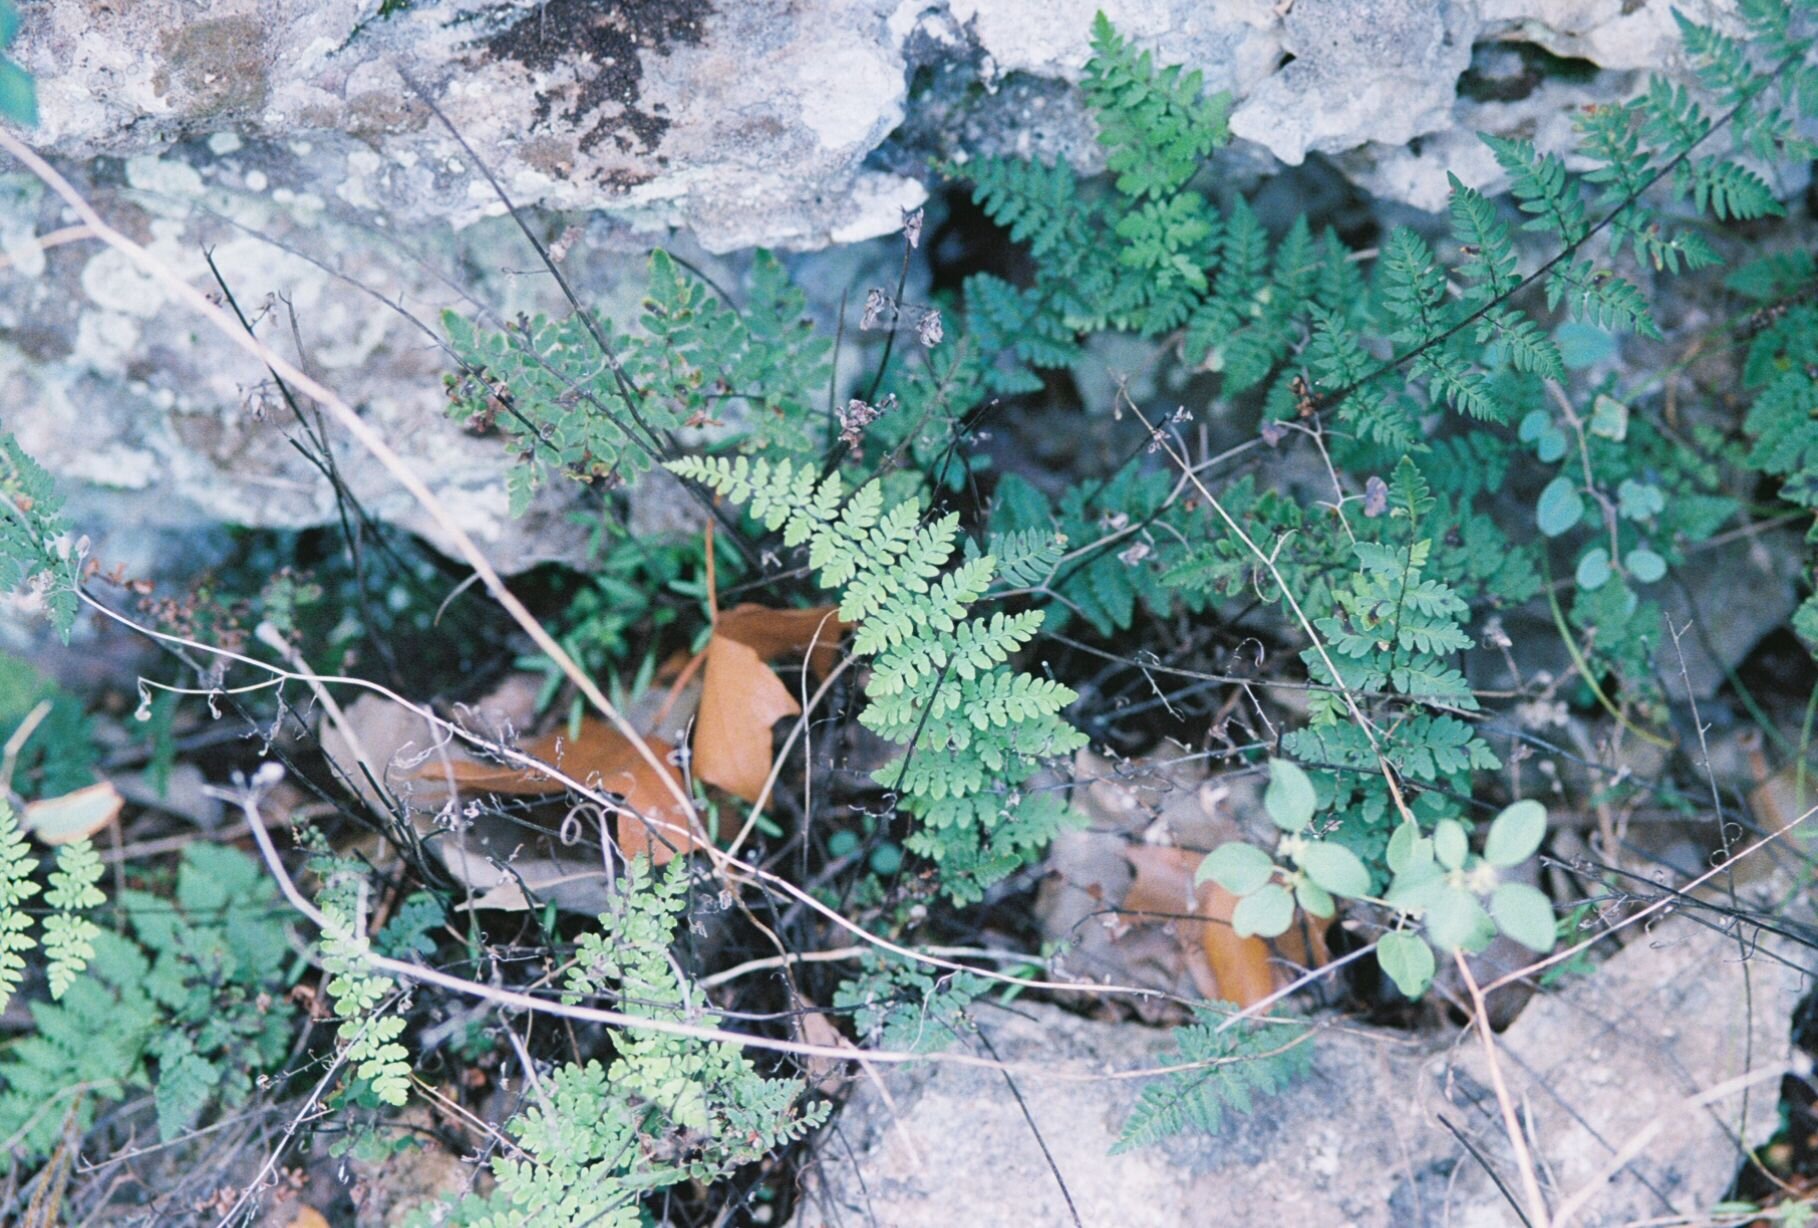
(1489, 250)
(32, 555)
(1721, 62)
(69, 937)
(1038, 204)
(941, 685)
(368, 1034)
(16, 887)
(1153, 122)
(1600, 296)
(1727, 189)
(1235, 1067)
(1027, 558)
(1338, 361)
(1543, 188)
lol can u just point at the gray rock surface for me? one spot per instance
(1593, 1065)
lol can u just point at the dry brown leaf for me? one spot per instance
(825, 1074)
(1222, 964)
(771, 633)
(741, 698)
(602, 758)
(60, 820)
(1239, 966)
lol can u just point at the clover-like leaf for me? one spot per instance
(1237, 867)
(1560, 507)
(1609, 418)
(1515, 833)
(1408, 961)
(1593, 569)
(1314, 899)
(1335, 868)
(1645, 565)
(1289, 799)
(1265, 913)
(1526, 915)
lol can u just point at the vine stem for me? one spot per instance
(1538, 1215)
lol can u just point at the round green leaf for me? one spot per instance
(1408, 960)
(1560, 507)
(886, 859)
(1553, 445)
(842, 844)
(1450, 843)
(1534, 424)
(1594, 569)
(1525, 915)
(1237, 867)
(1408, 849)
(1456, 921)
(1266, 913)
(1336, 868)
(1515, 833)
(1645, 565)
(1289, 798)
(1315, 899)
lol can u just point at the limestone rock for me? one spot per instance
(1602, 1063)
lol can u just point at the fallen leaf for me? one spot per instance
(602, 758)
(60, 820)
(1222, 964)
(813, 1027)
(771, 633)
(547, 882)
(741, 698)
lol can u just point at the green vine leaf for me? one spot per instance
(1290, 798)
(1407, 960)
(1237, 867)
(1560, 507)
(1515, 834)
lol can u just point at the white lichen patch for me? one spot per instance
(112, 280)
(106, 340)
(169, 187)
(223, 143)
(24, 254)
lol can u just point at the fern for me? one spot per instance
(566, 407)
(69, 937)
(32, 556)
(368, 1033)
(16, 887)
(973, 730)
(908, 1007)
(668, 1109)
(190, 1004)
(1027, 558)
(1235, 1066)
(1153, 122)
